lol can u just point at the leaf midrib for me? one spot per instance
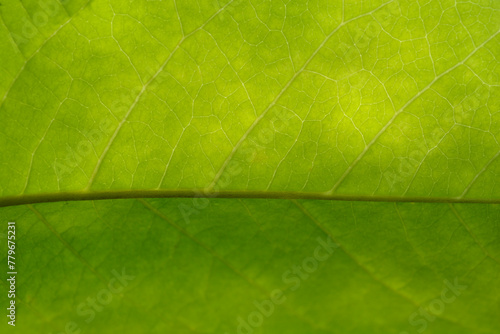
(206, 193)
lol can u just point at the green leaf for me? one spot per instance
(280, 110)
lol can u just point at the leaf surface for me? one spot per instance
(277, 106)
